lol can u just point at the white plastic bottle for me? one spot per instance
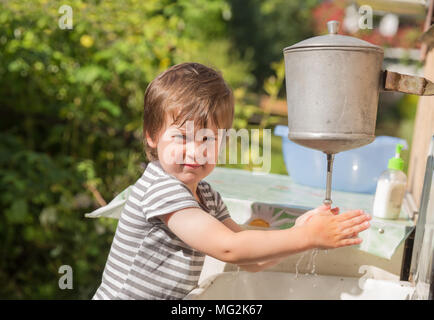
(390, 189)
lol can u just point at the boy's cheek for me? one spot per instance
(213, 156)
(174, 153)
(206, 154)
(171, 154)
(209, 167)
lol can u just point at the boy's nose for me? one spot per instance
(194, 153)
(190, 150)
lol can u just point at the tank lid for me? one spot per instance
(333, 40)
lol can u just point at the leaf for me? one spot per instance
(17, 213)
(112, 108)
(90, 73)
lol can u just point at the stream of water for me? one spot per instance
(310, 265)
(298, 262)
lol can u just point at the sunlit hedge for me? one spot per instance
(71, 110)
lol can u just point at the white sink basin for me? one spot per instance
(286, 286)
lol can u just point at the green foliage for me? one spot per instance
(272, 86)
(245, 110)
(42, 227)
(263, 28)
(71, 110)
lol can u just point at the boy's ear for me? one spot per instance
(150, 142)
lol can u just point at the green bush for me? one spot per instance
(71, 110)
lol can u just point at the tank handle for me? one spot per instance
(394, 81)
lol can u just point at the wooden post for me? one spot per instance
(424, 124)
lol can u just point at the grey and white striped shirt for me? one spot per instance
(146, 259)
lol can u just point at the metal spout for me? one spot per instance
(328, 198)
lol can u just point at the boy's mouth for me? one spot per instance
(192, 165)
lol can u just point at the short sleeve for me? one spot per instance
(164, 196)
(222, 211)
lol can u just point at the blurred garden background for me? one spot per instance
(71, 109)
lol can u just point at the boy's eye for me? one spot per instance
(208, 138)
(179, 138)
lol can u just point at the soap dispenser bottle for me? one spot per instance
(390, 189)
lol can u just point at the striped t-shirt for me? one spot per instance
(147, 260)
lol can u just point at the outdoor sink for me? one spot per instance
(287, 286)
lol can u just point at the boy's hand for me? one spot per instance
(327, 230)
(301, 220)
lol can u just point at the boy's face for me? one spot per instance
(186, 152)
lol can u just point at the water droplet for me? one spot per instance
(298, 262)
(314, 254)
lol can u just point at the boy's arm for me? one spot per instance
(301, 220)
(253, 267)
(205, 233)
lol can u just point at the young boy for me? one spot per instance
(173, 218)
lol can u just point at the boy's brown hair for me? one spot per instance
(186, 91)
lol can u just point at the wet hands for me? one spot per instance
(327, 229)
(301, 220)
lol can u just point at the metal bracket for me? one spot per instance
(394, 81)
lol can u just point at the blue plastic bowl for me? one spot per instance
(355, 170)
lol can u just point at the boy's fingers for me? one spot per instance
(350, 214)
(349, 232)
(355, 221)
(324, 207)
(350, 242)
